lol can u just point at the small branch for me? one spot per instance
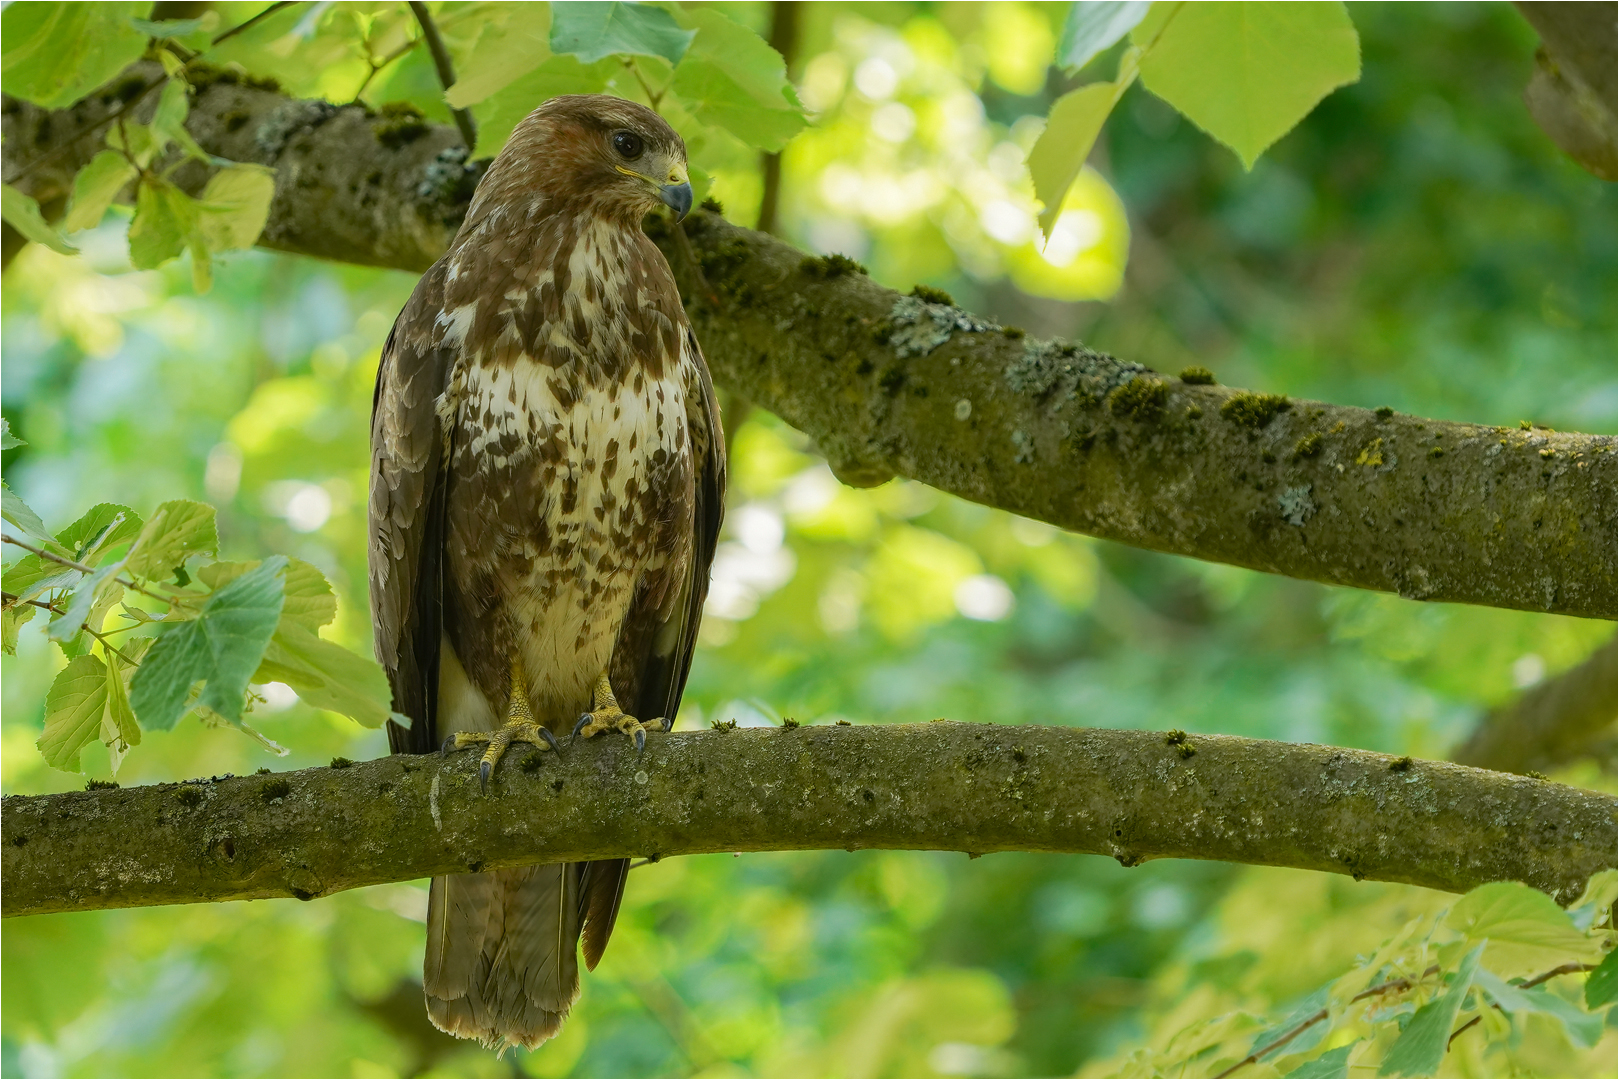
(446, 71)
(1568, 717)
(11, 599)
(53, 557)
(254, 21)
(946, 786)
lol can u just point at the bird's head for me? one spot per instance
(616, 157)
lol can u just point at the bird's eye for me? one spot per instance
(628, 144)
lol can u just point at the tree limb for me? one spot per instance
(1564, 719)
(1133, 795)
(890, 385)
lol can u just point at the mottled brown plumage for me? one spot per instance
(547, 483)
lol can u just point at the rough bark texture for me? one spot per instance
(888, 385)
(1563, 719)
(1133, 795)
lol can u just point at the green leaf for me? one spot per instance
(136, 140)
(559, 75)
(103, 527)
(11, 623)
(1421, 1046)
(309, 598)
(1600, 984)
(21, 212)
(1095, 27)
(592, 31)
(1246, 73)
(235, 206)
(169, 122)
(1510, 912)
(55, 54)
(119, 729)
(222, 647)
(1305, 1040)
(7, 439)
(95, 187)
(77, 613)
(731, 78)
(178, 530)
(165, 219)
(1333, 1063)
(504, 52)
(20, 514)
(73, 710)
(1059, 154)
(326, 675)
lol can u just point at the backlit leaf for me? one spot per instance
(222, 648)
(21, 212)
(20, 514)
(731, 78)
(77, 613)
(176, 531)
(165, 218)
(1247, 72)
(326, 675)
(169, 121)
(7, 439)
(1600, 985)
(73, 710)
(505, 52)
(11, 623)
(95, 187)
(55, 54)
(309, 597)
(1510, 912)
(1059, 154)
(1331, 1064)
(503, 111)
(1421, 1046)
(103, 526)
(235, 206)
(592, 31)
(1096, 26)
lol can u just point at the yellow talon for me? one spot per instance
(520, 726)
(607, 716)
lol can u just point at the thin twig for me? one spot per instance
(12, 599)
(378, 65)
(1561, 969)
(446, 71)
(255, 20)
(53, 557)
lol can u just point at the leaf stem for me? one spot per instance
(11, 599)
(255, 20)
(83, 569)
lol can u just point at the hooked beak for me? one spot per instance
(677, 197)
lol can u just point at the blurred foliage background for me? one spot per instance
(1416, 242)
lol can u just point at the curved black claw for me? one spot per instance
(584, 718)
(640, 741)
(484, 769)
(551, 740)
(449, 744)
(668, 723)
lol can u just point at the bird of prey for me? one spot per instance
(547, 481)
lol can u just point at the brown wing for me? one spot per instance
(408, 456)
(663, 671)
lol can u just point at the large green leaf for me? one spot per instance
(235, 205)
(1247, 72)
(178, 530)
(1095, 26)
(222, 647)
(503, 111)
(1510, 912)
(1059, 154)
(55, 54)
(1421, 1046)
(103, 527)
(169, 121)
(22, 213)
(73, 710)
(165, 220)
(731, 78)
(95, 187)
(326, 675)
(11, 623)
(592, 31)
(20, 514)
(309, 597)
(506, 50)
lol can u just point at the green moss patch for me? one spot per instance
(1142, 398)
(1197, 375)
(1254, 410)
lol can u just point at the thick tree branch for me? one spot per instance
(891, 385)
(1133, 795)
(1564, 719)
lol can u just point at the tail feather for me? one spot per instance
(502, 963)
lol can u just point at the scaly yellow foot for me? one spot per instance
(607, 716)
(520, 726)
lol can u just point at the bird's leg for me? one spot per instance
(520, 726)
(605, 715)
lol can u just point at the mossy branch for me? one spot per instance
(1131, 795)
(910, 385)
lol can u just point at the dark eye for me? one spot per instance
(628, 144)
